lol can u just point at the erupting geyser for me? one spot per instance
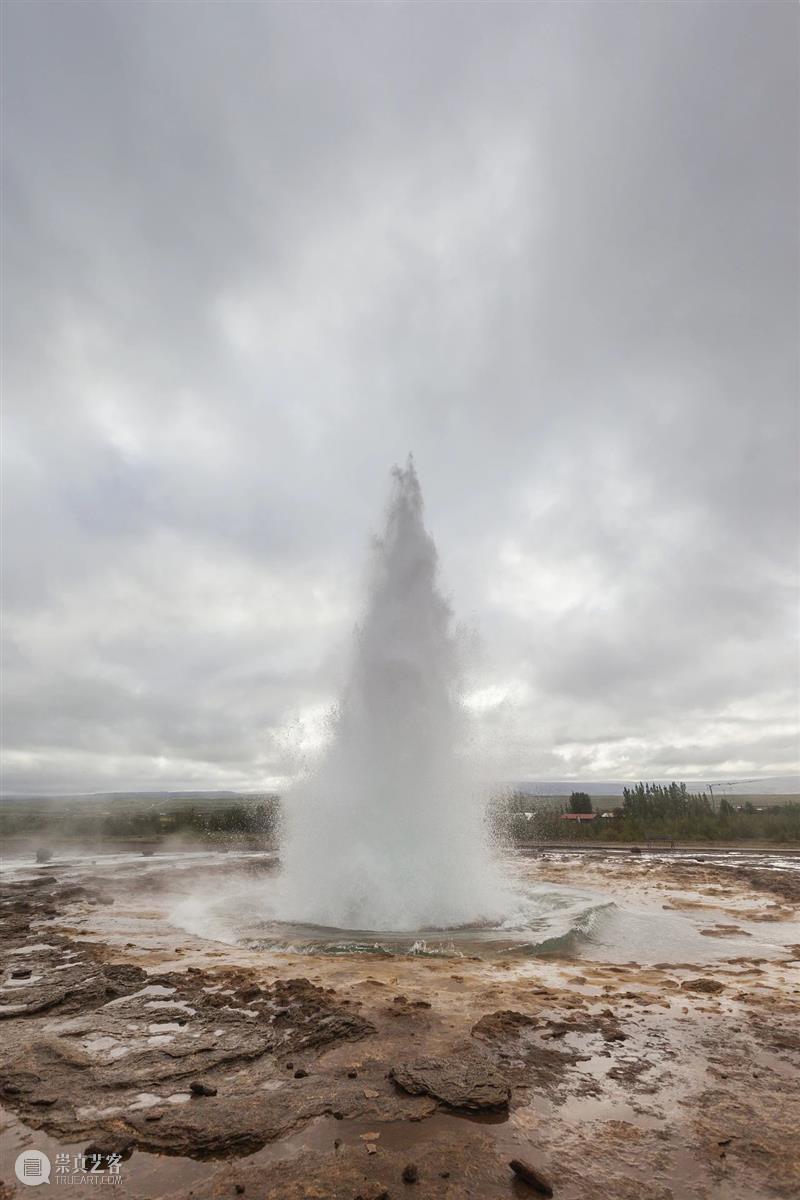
(388, 833)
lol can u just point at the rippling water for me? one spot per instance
(541, 919)
(234, 898)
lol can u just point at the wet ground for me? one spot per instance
(652, 1054)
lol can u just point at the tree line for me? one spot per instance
(654, 811)
(255, 821)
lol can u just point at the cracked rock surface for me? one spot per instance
(466, 1081)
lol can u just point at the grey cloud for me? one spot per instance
(256, 253)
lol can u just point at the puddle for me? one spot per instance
(141, 1176)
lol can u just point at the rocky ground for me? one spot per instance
(218, 1072)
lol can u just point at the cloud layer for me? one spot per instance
(255, 253)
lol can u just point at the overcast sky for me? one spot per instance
(256, 253)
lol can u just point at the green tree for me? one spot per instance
(580, 802)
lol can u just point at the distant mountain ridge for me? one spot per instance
(117, 797)
(771, 785)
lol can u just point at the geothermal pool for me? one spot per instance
(542, 919)
(235, 899)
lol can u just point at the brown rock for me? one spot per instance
(198, 1088)
(532, 1176)
(503, 1024)
(709, 986)
(106, 1146)
(467, 1082)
